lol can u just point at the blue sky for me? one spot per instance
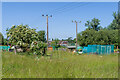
(60, 25)
(59, 0)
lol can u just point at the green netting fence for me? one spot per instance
(4, 48)
(99, 49)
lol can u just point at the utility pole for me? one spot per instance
(47, 16)
(76, 32)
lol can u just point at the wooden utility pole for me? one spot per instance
(47, 29)
(76, 36)
(76, 33)
(47, 33)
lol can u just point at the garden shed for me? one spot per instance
(99, 49)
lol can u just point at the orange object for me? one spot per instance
(50, 48)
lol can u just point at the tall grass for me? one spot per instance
(60, 65)
(0, 65)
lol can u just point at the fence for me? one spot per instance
(99, 49)
(4, 48)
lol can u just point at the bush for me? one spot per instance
(38, 47)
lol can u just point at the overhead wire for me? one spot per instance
(62, 6)
(58, 9)
(70, 8)
(65, 8)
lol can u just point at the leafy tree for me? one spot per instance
(94, 24)
(38, 47)
(41, 36)
(69, 39)
(55, 43)
(95, 34)
(108, 37)
(21, 35)
(5, 42)
(25, 37)
(116, 22)
(101, 37)
(87, 37)
(1, 39)
(52, 39)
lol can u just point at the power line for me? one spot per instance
(60, 8)
(55, 10)
(66, 10)
(63, 6)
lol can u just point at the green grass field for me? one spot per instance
(59, 65)
(0, 66)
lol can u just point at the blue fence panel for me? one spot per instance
(112, 48)
(85, 49)
(4, 48)
(99, 49)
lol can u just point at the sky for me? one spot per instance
(59, 0)
(60, 24)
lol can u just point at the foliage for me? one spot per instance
(5, 42)
(55, 43)
(70, 40)
(1, 39)
(116, 22)
(103, 37)
(41, 36)
(24, 37)
(38, 47)
(107, 36)
(95, 34)
(87, 37)
(94, 24)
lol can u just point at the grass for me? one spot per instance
(0, 66)
(59, 65)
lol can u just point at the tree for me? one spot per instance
(41, 36)
(5, 42)
(21, 35)
(108, 37)
(115, 25)
(52, 39)
(55, 43)
(101, 37)
(116, 22)
(94, 24)
(87, 37)
(70, 40)
(38, 47)
(25, 37)
(1, 39)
